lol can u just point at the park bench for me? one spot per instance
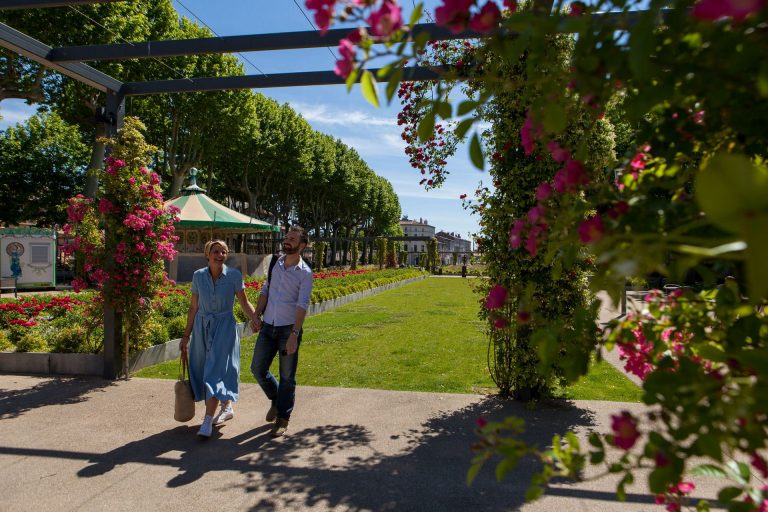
(8, 283)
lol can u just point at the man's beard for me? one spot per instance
(290, 250)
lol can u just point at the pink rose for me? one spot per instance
(737, 9)
(625, 432)
(487, 19)
(591, 230)
(386, 20)
(496, 298)
(454, 14)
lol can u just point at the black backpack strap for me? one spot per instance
(271, 266)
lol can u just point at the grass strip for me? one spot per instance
(424, 336)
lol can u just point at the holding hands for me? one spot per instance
(256, 322)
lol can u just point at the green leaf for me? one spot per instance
(739, 472)
(547, 346)
(370, 90)
(708, 470)
(352, 79)
(660, 478)
(444, 109)
(394, 82)
(757, 257)
(463, 127)
(534, 492)
(385, 70)
(596, 457)
(476, 152)
(473, 470)
(595, 440)
(740, 506)
(427, 126)
(711, 252)
(416, 14)
(709, 444)
(731, 190)
(420, 41)
(762, 80)
(554, 118)
(621, 493)
(465, 107)
(504, 467)
(727, 494)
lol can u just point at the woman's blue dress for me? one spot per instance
(214, 349)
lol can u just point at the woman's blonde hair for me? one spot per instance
(209, 245)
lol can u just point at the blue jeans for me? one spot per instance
(272, 339)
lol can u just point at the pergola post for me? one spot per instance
(113, 321)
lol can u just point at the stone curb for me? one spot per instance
(93, 364)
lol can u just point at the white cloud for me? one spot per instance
(323, 114)
(376, 145)
(14, 111)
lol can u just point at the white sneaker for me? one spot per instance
(206, 429)
(225, 414)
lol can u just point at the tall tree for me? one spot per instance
(188, 126)
(42, 165)
(287, 158)
(81, 25)
(315, 200)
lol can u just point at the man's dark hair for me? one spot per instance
(303, 238)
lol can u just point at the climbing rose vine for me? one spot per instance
(121, 239)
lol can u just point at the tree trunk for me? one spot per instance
(97, 160)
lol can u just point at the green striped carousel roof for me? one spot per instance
(200, 211)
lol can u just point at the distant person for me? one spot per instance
(283, 302)
(214, 354)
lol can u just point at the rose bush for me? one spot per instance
(688, 200)
(121, 240)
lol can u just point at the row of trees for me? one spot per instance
(258, 156)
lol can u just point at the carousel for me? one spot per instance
(250, 240)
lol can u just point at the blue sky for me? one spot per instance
(330, 109)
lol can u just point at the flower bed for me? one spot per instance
(72, 323)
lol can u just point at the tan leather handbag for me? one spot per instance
(184, 404)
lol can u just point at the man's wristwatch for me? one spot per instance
(296, 332)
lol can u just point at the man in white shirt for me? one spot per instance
(283, 303)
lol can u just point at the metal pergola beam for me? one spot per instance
(259, 81)
(37, 4)
(228, 44)
(22, 44)
(259, 42)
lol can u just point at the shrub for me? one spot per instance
(152, 332)
(173, 303)
(73, 339)
(15, 333)
(32, 341)
(5, 341)
(176, 326)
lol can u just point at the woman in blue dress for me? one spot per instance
(214, 354)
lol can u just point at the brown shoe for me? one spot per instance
(272, 413)
(279, 428)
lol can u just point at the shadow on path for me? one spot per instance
(52, 391)
(341, 466)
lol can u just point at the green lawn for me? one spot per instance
(420, 337)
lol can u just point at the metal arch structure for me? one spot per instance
(70, 61)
